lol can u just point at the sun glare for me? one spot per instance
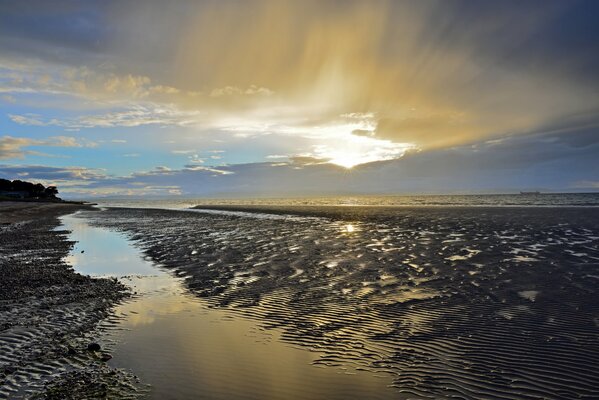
(351, 154)
(343, 148)
(346, 161)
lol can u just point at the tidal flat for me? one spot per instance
(347, 302)
(457, 301)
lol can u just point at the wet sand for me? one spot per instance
(183, 348)
(47, 311)
(416, 303)
(449, 302)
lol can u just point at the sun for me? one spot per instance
(347, 161)
(341, 147)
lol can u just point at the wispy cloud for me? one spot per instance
(139, 115)
(191, 151)
(252, 90)
(16, 147)
(208, 169)
(66, 176)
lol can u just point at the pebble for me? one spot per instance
(94, 347)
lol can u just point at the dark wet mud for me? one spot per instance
(449, 302)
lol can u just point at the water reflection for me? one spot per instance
(100, 252)
(184, 349)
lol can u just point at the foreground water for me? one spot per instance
(185, 349)
(497, 303)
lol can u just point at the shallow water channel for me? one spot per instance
(183, 349)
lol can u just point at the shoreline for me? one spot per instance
(47, 310)
(360, 212)
(26, 211)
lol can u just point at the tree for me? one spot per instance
(38, 190)
(51, 192)
(5, 185)
(35, 190)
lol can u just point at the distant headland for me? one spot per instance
(22, 190)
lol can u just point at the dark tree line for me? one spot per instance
(28, 189)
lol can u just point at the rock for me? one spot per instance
(94, 347)
(105, 357)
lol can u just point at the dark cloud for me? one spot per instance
(41, 172)
(362, 132)
(63, 31)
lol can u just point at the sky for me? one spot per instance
(290, 98)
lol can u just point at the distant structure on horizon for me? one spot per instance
(536, 192)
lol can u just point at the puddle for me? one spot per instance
(100, 252)
(183, 349)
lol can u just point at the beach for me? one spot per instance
(303, 200)
(47, 311)
(476, 302)
(408, 302)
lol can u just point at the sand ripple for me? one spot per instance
(463, 303)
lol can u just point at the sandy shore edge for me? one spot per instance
(48, 311)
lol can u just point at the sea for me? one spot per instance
(470, 200)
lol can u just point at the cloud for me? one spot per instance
(363, 132)
(208, 169)
(235, 91)
(183, 151)
(28, 119)
(417, 77)
(307, 160)
(196, 159)
(140, 115)
(539, 161)
(536, 161)
(64, 175)
(399, 88)
(15, 147)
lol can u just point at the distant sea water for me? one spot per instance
(483, 200)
